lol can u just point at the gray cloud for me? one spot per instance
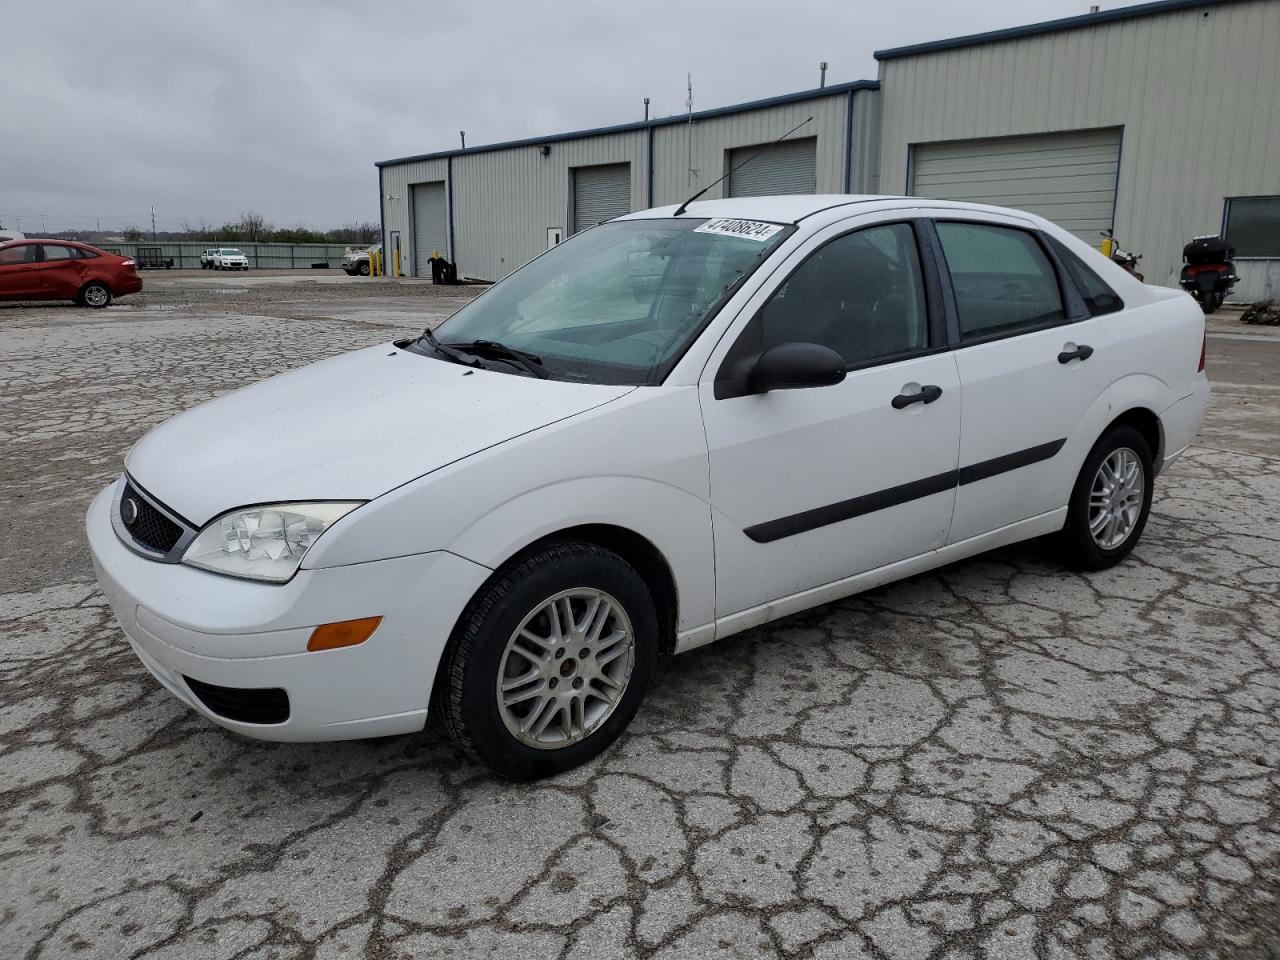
(206, 109)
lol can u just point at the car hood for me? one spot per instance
(348, 428)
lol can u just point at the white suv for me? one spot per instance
(670, 428)
(229, 258)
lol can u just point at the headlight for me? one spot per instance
(263, 543)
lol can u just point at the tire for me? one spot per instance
(94, 294)
(1210, 302)
(363, 269)
(513, 610)
(1086, 548)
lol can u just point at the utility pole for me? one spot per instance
(153, 224)
(44, 227)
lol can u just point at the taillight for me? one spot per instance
(127, 263)
(1204, 342)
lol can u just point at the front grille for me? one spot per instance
(242, 704)
(150, 527)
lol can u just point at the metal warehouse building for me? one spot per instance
(1160, 121)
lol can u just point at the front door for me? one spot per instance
(810, 486)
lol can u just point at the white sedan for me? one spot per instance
(666, 430)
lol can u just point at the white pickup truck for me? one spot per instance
(229, 258)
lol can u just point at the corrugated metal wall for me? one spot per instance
(1197, 92)
(505, 200)
(397, 203)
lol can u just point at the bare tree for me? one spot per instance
(253, 225)
(197, 231)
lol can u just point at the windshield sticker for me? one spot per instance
(746, 229)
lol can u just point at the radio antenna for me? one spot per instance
(680, 209)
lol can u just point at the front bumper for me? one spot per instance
(187, 623)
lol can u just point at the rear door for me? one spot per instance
(1032, 362)
(811, 486)
(19, 277)
(61, 271)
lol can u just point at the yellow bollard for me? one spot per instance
(1107, 246)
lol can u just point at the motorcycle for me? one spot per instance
(1208, 273)
(1126, 259)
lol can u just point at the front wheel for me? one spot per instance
(1111, 500)
(96, 295)
(550, 661)
(364, 269)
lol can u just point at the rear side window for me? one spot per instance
(1098, 297)
(53, 251)
(1004, 282)
(84, 254)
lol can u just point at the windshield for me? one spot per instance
(231, 252)
(619, 303)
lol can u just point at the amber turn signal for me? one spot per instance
(346, 633)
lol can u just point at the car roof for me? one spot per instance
(793, 208)
(53, 240)
(779, 209)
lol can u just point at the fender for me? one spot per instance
(639, 462)
(677, 523)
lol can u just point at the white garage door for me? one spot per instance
(787, 167)
(1069, 178)
(430, 225)
(600, 194)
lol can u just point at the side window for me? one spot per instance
(23, 253)
(1003, 280)
(1098, 297)
(84, 254)
(862, 295)
(58, 252)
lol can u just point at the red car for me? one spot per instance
(64, 270)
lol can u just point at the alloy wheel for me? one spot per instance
(1115, 499)
(565, 668)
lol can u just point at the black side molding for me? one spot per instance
(808, 520)
(1010, 461)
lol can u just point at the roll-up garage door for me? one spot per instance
(787, 167)
(1069, 178)
(430, 225)
(600, 194)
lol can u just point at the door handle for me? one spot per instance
(1082, 352)
(927, 394)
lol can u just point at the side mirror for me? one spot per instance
(795, 366)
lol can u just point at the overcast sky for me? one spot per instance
(207, 109)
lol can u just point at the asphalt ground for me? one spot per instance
(1000, 759)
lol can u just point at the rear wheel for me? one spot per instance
(95, 294)
(1111, 500)
(550, 661)
(1210, 301)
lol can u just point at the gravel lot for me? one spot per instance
(999, 759)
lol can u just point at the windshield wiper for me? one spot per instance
(445, 350)
(500, 351)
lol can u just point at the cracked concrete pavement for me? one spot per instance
(1000, 759)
